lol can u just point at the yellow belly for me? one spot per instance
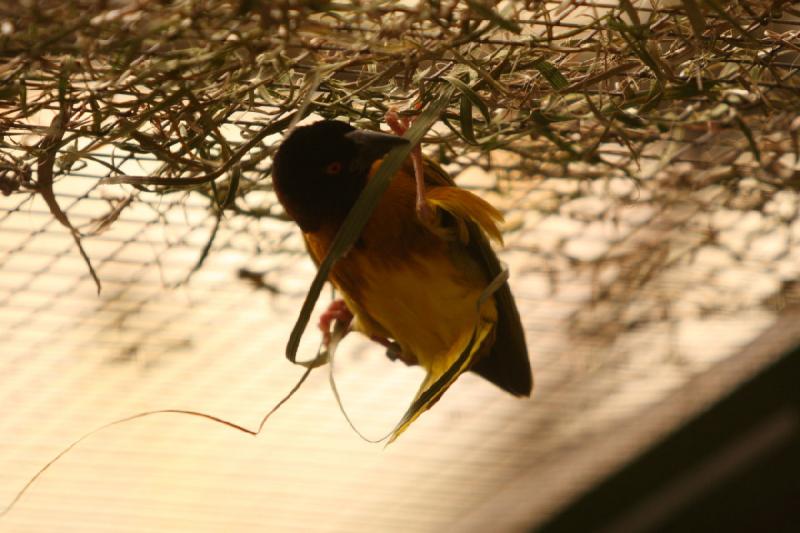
(424, 304)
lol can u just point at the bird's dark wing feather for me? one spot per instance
(507, 364)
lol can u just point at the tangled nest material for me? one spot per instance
(191, 94)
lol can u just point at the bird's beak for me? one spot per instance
(372, 145)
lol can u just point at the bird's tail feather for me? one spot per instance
(440, 378)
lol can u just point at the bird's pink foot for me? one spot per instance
(337, 310)
(399, 126)
(425, 212)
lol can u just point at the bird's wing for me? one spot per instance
(507, 364)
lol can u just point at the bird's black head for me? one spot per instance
(319, 170)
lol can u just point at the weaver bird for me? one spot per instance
(413, 278)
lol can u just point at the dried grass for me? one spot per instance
(190, 89)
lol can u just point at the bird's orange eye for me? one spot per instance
(333, 168)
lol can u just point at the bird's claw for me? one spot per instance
(393, 350)
(398, 125)
(337, 310)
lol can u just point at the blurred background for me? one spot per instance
(645, 155)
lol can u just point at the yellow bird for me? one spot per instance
(414, 277)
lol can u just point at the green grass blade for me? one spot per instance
(467, 91)
(467, 127)
(551, 74)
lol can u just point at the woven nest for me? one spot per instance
(688, 105)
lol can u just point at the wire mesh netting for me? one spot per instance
(645, 155)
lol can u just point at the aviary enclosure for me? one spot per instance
(645, 155)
